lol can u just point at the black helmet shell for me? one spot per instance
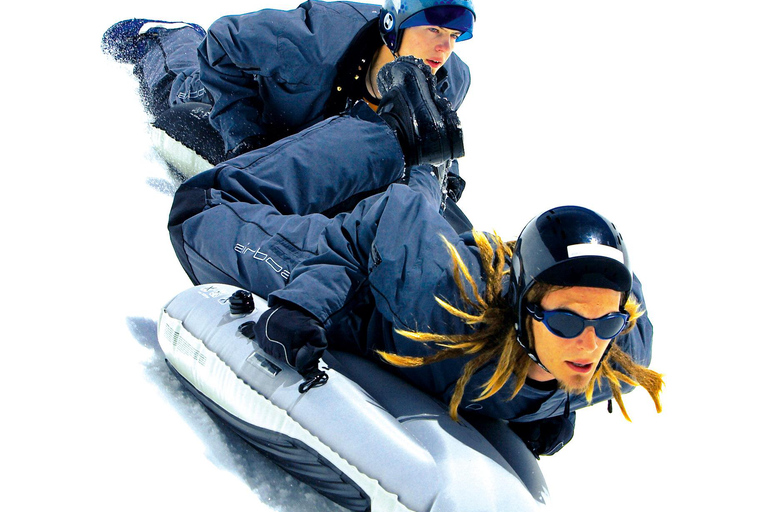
(570, 246)
(567, 246)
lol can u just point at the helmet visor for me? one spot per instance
(452, 17)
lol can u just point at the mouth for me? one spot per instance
(435, 64)
(580, 367)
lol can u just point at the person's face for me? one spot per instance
(429, 43)
(573, 361)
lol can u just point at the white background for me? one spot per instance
(652, 113)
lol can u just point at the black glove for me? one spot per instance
(289, 335)
(456, 186)
(241, 303)
(547, 436)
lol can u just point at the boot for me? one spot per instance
(426, 125)
(129, 40)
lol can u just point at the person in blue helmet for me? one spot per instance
(525, 333)
(256, 78)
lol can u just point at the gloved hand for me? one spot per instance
(456, 186)
(291, 335)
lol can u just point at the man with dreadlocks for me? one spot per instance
(525, 332)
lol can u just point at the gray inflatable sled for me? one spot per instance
(365, 439)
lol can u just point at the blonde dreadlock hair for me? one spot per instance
(495, 338)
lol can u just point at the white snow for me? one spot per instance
(653, 113)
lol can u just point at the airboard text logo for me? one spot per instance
(258, 255)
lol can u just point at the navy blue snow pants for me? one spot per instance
(169, 73)
(250, 220)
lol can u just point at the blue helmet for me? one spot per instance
(400, 14)
(568, 246)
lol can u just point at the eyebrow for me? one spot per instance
(451, 30)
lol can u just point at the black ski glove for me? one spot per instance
(547, 436)
(456, 186)
(291, 335)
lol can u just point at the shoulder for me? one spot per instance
(638, 343)
(355, 10)
(305, 43)
(334, 14)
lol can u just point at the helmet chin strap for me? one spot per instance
(531, 352)
(536, 360)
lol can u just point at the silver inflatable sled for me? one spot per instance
(365, 439)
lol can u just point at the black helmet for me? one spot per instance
(568, 246)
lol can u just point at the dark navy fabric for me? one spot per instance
(272, 72)
(169, 73)
(286, 187)
(256, 222)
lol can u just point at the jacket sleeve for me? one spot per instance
(270, 72)
(391, 245)
(262, 71)
(230, 60)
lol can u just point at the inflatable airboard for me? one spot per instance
(365, 439)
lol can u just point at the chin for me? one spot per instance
(575, 384)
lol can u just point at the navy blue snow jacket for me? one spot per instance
(272, 73)
(255, 222)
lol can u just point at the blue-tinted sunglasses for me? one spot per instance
(569, 325)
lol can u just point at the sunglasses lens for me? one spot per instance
(610, 326)
(568, 325)
(564, 324)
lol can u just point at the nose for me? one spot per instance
(445, 43)
(588, 340)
